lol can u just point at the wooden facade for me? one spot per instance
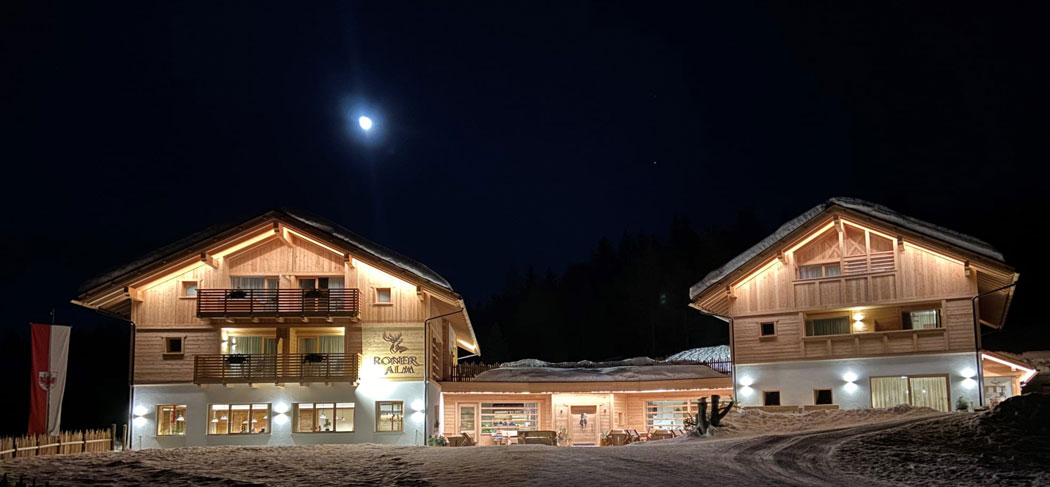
(371, 294)
(845, 264)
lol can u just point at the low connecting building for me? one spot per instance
(853, 305)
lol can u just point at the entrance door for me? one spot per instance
(467, 420)
(583, 425)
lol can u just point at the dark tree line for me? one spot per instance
(629, 298)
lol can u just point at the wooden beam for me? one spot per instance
(133, 293)
(207, 259)
(281, 234)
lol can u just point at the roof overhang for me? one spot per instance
(710, 294)
(1000, 365)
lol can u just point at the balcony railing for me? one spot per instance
(232, 303)
(263, 368)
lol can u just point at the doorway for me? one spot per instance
(467, 420)
(583, 425)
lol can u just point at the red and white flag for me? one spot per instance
(50, 345)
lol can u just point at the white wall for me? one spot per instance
(797, 380)
(197, 400)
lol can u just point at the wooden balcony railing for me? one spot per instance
(263, 368)
(232, 303)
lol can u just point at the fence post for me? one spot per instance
(112, 436)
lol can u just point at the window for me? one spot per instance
(666, 414)
(383, 295)
(238, 419)
(188, 289)
(768, 329)
(521, 416)
(331, 417)
(247, 282)
(171, 420)
(390, 416)
(838, 325)
(819, 270)
(822, 396)
(173, 345)
(921, 319)
(770, 398)
(928, 391)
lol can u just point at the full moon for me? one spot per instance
(365, 123)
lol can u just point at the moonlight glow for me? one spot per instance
(365, 123)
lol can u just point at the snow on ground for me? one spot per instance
(1009, 445)
(908, 446)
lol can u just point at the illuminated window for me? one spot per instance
(188, 289)
(238, 419)
(838, 325)
(322, 417)
(819, 270)
(171, 420)
(921, 319)
(383, 295)
(390, 416)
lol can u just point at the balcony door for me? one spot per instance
(316, 295)
(467, 420)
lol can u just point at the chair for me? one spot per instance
(454, 440)
(634, 436)
(619, 438)
(467, 440)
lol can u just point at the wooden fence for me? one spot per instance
(67, 442)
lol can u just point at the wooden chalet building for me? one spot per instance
(284, 329)
(853, 305)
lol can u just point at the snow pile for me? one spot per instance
(719, 353)
(1007, 445)
(758, 422)
(591, 374)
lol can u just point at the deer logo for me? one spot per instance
(395, 343)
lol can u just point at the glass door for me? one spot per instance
(467, 420)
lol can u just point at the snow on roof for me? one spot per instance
(603, 374)
(972, 244)
(687, 364)
(317, 223)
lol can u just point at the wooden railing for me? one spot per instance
(232, 303)
(468, 372)
(262, 368)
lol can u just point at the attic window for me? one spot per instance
(383, 295)
(188, 289)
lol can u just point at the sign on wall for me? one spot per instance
(393, 352)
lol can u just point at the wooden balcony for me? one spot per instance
(469, 372)
(278, 369)
(254, 303)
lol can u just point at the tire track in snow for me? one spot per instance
(802, 459)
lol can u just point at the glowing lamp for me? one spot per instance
(365, 123)
(746, 381)
(849, 377)
(418, 405)
(139, 411)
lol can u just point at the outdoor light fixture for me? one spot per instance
(139, 411)
(281, 419)
(418, 405)
(280, 408)
(364, 122)
(850, 377)
(746, 381)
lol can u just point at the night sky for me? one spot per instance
(506, 136)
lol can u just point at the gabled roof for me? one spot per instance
(215, 232)
(875, 211)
